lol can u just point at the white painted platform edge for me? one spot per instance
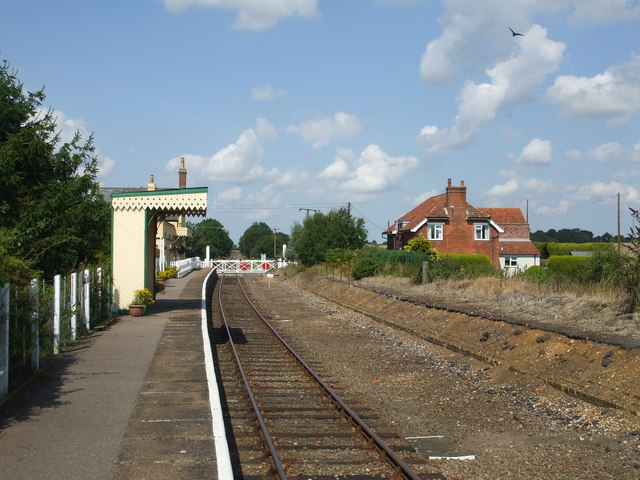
(223, 459)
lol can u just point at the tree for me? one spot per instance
(252, 235)
(211, 233)
(270, 245)
(421, 244)
(322, 232)
(52, 217)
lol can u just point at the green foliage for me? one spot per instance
(569, 267)
(567, 248)
(366, 267)
(251, 235)
(543, 247)
(211, 233)
(270, 245)
(167, 273)
(421, 244)
(52, 217)
(461, 265)
(322, 232)
(142, 297)
(571, 235)
(536, 273)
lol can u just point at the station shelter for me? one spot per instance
(137, 218)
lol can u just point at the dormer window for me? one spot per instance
(481, 231)
(402, 223)
(435, 231)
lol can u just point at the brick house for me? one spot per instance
(455, 226)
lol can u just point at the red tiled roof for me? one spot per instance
(505, 215)
(518, 248)
(433, 207)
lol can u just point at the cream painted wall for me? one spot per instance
(128, 255)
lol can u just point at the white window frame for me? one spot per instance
(510, 261)
(436, 231)
(481, 231)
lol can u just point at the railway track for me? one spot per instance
(282, 420)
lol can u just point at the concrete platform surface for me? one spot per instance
(129, 401)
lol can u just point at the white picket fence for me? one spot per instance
(58, 316)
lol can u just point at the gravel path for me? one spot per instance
(514, 427)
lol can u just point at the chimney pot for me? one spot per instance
(151, 185)
(182, 175)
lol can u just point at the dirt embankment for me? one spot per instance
(583, 354)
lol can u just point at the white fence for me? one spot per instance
(187, 265)
(39, 320)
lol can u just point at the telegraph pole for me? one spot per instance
(618, 222)
(308, 210)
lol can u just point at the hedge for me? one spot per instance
(577, 268)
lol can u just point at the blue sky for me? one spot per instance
(283, 105)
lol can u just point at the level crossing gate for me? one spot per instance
(243, 266)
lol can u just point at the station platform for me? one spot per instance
(130, 401)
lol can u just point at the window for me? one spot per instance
(481, 231)
(510, 262)
(435, 231)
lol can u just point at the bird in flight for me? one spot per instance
(516, 34)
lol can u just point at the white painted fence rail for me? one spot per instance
(47, 321)
(187, 265)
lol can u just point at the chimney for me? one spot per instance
(151, 186)
(182, 175)
(456, 199)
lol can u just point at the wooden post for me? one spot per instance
(425, 272)
(4, 340)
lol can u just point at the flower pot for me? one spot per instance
(136, 310)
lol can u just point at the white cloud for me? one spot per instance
(372, 171)
(105, 167)
(239, 162)
(253, 14)
(511, 81)
(614, 151)
(418, 199)
(600, 190)
(574, 154)
(537, 152)
(267, 93)
(231, 195)
(67, 129)
(266, 130)
(612, 95)
(604, 11)
(475, 33)
(322, 131)
(511, 186)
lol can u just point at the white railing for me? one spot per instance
(44, 318)
(187, 265)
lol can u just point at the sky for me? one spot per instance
(286, 107)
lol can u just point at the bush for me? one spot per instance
(461, 265)
(569, 267)
(365, 267)
(536, 273)
(567, 248)
(167, 273)
(142, 297)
